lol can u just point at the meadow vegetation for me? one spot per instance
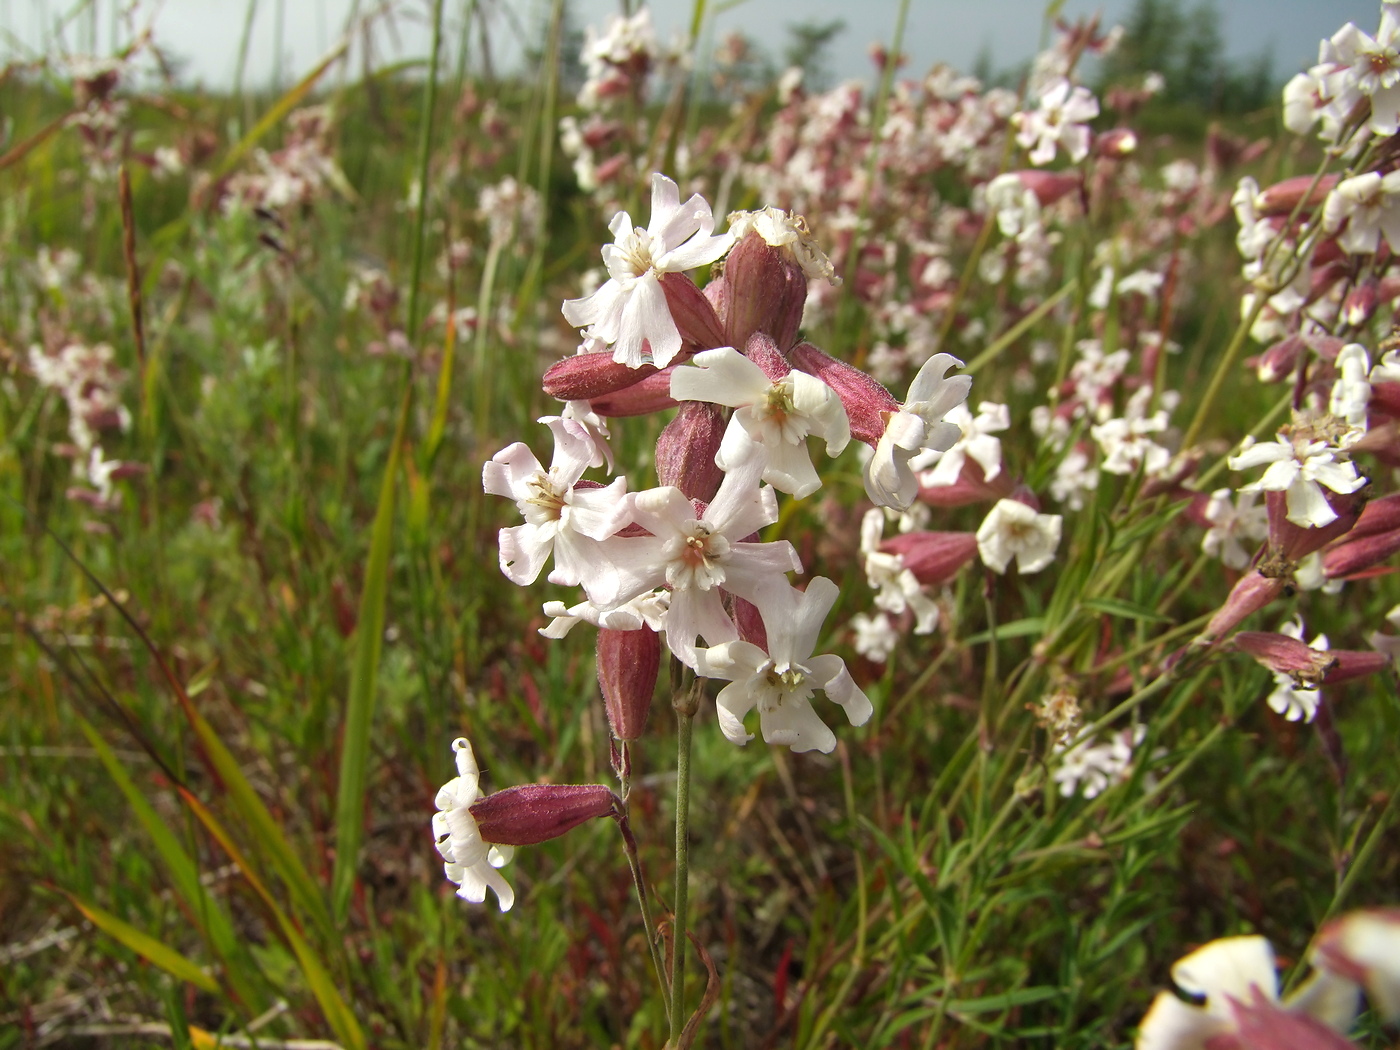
(256, 350)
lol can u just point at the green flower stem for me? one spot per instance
(686, 702)
(634, 864)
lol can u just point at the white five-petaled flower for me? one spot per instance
(1369, 205)
(781, 681)
(630, 309)
(1301, 467)
(560, 518)
(777, 415)
(696, 555)
(977, 442)
(470, 862)
(1059, 120)
(1090, 769)
(1014, 530)
(918, 425)
(1237, 985)
(1290, 699)
(1233, 523)
(897, 587)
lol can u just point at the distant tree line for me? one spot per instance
(1186, 45)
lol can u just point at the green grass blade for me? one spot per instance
(338, 1015)
(267, 832)
(213, 921)
(146, 946)
(359, 708)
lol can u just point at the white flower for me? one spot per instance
(1369, 204)
(697, 555)
(630, 309)
(1126, 445)
(1351, 393)
(976, 443)
(1235, 976)
(1389, 644)
(470, 862)
(561, 519)
(875, 636)
(1290, 699)
(776, 415)
(1014, 530)
(1300, 467)
(1074, 476)
(647, 609)
(781, 681)
(1090, 769)
(898, 588)
(918, 425)
(1058, 121)
(1232, 524)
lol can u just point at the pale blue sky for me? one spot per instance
(206, 33)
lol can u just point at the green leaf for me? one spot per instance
(1014, 629)
(1124, 610)
(1005, 1001)
(144, 945)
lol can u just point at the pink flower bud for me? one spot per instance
(1049, 186)
(1282, 197)
(1249, 595)
(749, 621)
(628, 664)
(766, 292)
(686, 449)
(1373, 539)
(586, 376)
(1360, 303)
(1117, 142)
(652, 394)
(1296, 542)
(865, 400)
(1279, 360)
(971, 487)
(531, 813)
(1354, 663)
(694, 316)
(933, 557)
(1385, 399)
(1282, 654)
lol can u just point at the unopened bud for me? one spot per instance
(1279, 360)
(1282, 197)
(1296, 542)
(971, 487)
(1354, 663)
(694, 316)
(686, 449)
(628, 665)
(652, 394)
(933, 557)
(531, 813)
(1250, 594)
(1283, 654)
(1360, 303)
(1118, 142)
(866, 402)
(1049, 186)
(767, 291)
(586, 376)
